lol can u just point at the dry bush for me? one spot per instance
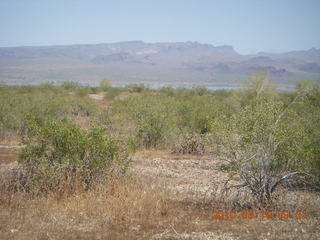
(190, 144)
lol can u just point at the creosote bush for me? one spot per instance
(70, 85)
(41, 101)
(267, 143)
(59, 155)
(151, 128)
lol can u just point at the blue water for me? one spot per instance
(211, 87)
(222, 87)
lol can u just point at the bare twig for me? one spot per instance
(179, 235)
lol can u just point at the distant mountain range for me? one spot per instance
(177, 64)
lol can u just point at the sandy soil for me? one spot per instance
(187, 176)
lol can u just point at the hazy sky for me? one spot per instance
(248, 25)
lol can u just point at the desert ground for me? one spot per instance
(166, 196)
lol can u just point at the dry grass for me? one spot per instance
(84, 121)
(145, 207)
(10, 138)
(8, 154)
(125, 95)
(124, 206)
(130, 209)
(100, 98)
(168, 155)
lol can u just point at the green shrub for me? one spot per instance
(70, 85)
(60, 155)
(94, 90)
(82, 91)
(309, 109)
(112, 93)
(41, 101)
(146, 117)
(151, 127)
(105, 85)
(136, 87)
(200, 90)
(194, 114)
(168, 91)
(267, 143)
(156, 118)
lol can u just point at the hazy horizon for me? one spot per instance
(135, 40)
(248, 26)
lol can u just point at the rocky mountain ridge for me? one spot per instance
(137, 61)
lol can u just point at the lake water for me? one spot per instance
(210, 87)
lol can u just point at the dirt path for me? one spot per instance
(98, 97)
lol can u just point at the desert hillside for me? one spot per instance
(156, 64)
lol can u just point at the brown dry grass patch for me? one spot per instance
(8, 154)
(124, 206)
(131, 209)
(165, 154)
(143, 207)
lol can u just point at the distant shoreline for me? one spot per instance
(284, 88)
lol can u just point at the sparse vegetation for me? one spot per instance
(75, 145)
